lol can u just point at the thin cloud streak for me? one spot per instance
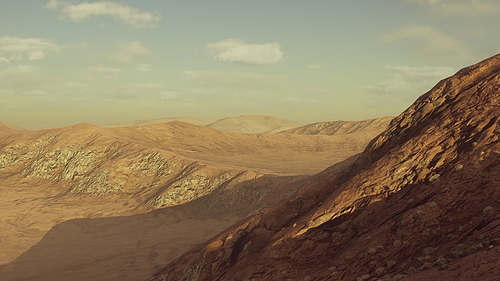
(103, 71)
(237, 51)
(13, 49)
(410, 81)
(129, 52)
(84, 11)
(424, 72)
(460, 7)
(425, 40)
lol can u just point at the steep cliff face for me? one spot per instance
(423, 196)
(370, 126)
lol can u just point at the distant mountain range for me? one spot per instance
(6, 129)
(253, 124)
(261, 124)
(341, 127)
(92, 198)
(190, 120)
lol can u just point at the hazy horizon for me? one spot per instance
(72, 61)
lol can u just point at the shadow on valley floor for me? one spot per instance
(115, 248)
(134, 247)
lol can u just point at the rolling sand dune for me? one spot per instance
(6, 130)
(253, 124)
(190, 120)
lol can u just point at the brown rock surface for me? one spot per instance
(342, 127)
(420, 203)
(80, 194)
(6, 130)
(190, 120)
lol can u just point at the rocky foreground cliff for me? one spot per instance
(420, 203)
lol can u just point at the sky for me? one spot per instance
(64, 62)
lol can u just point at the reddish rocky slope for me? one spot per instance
(420, 203)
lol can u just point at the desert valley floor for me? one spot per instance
(79, 202)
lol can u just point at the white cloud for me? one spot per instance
(394, 84)
(14, 49)
(410, 81)
(424, 72)
(143, 67)
(145, 86)
(402, 86)
(237, 51)
(129, 52)
(461, 7)
(20, 80)
(302, 100)
(425, 2)
(52, 4)
(425, 40)
(34, 93)
(315, 66)
(104, 71)
(169, 95)
(75, 85)
(18, 69)
(83, 11)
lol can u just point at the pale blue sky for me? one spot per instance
(71, 61)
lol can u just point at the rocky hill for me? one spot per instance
(342, 127)
(190, 120)
(6, 130)
(83, 194)
(253, 124)
(421, 202)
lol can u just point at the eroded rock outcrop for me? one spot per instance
(99, 164)
(423, 196)
(369, 126)
(177, 162)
